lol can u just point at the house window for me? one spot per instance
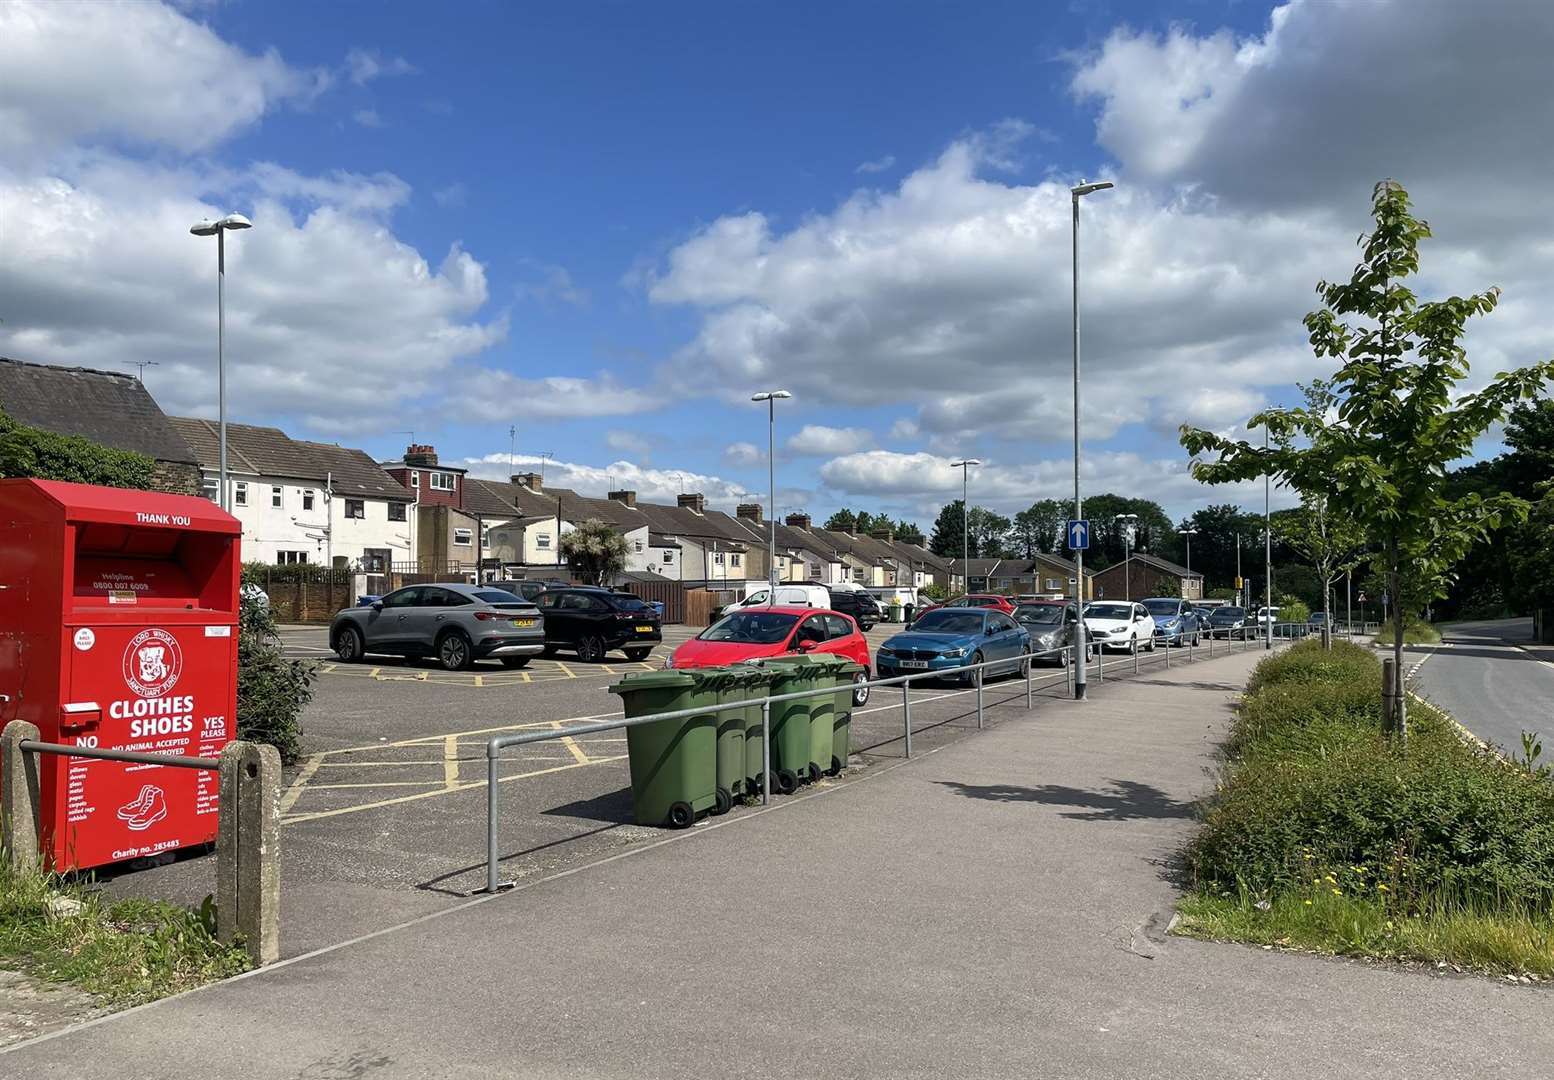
(857, 574)
(441, 481)
(463, 537)
(275, 498)
(542, 541)
(210, 487)
(734, 561)
(1054, 585)
(356, 508)
(415, 479)
(668, 557)
(291, 558)
(717, 558)
(240, 494)
(637, 546)
(307, 498)
(396, 511)
(485, 536)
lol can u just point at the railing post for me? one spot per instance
(1068, 669)
(1211, 643)
(1028, 700)
(1167, 645)
(19, 797)
(906, 712)
(491, 753)
(766, 751)
(1136, 661)
(981, 678)
(248, 878)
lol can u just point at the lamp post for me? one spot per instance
(965, 523)
(1267, 547)
(1128, 523)
(1189, 533)
(218, 229)
(771, 397)
(1075, 194)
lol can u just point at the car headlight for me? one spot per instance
(1172, 623)
(954, 654)
(669, 662)
(885, 650)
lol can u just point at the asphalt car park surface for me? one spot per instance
(384, 817)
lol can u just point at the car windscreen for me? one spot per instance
(751, 627)
(502, 598)
(631, 603)
(950, 622)
(1122, 612)
(1039, 613)
(1229, 613)
(1162, 607)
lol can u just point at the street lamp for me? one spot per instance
(1189, 533)
(1268, 546)
(1129, 521)
(219, 229)
(965, 523)
(1075, 194)
(771, 397)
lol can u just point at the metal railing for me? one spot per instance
(1096, 663)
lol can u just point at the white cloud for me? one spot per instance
(364, 65)
(628, 442)
(555, 285)
(822, 441)
(595, 481)
(138, 74)
(367, 118)
(878, 165)
(743, 454)
(453, 195)
(501, 395)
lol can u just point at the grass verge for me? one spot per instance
(1323, 835)
(1415, 632)
(125, 952)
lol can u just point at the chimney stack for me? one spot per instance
(530, 480)
(628, 498)
(420, 454)
(694, 501)
(885, 533)
(797, 521)
(749, 512)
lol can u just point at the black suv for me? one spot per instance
(864, 609)
(527, 590)
(591, 621)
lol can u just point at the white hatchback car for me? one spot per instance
(1118, 624)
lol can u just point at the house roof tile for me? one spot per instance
(107, 407)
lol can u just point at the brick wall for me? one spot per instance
(176, 478)
(309, 601)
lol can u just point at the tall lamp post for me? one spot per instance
(1267, 547)
(219, 229)
(771, 397)
(1189, 533)
(1080, 650)
(965, 523)
(1129, 522)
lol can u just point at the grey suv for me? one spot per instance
(457, 624)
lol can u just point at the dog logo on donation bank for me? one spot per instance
(152, 663)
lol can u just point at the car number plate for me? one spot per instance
(644, 629)
(523, 622)
(915, 665)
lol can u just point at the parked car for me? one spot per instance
(456, 623)
(1228, 622)
(1262, 616)
(1176, 621)
(949, 640)
(1118, 624)
(982, 600)
(528, 590)
(811, 596)
(1051, 626)
(590, 621)
(858, 603)
(754, 633)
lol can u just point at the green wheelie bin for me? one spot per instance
(822, 712)
(674, 772)
(728, 685)
(752, 683)
(790, 720)
(842, 719)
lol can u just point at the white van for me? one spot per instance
(815, 596)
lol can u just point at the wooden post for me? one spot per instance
(19, 839)
(248, 850)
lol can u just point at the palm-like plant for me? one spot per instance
(594, 551)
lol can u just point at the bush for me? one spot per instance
(272, 690)
(1292, 610)
(1315, 794)
(47, 455)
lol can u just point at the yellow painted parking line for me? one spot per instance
(304, 774)
(318, 815)
(608, 670)
(526, 676)
(569, 672)
(480, 680)
(373, 674)
(450, 761)
(425, 740)
(371, 764)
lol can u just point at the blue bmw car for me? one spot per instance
(948, 640)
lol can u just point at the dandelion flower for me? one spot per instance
(1380, 887)
(1308, 903)
(1338, 892)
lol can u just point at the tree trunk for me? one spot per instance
(1400, 720)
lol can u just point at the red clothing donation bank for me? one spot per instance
(118, 629)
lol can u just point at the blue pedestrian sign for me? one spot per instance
(1079, 535)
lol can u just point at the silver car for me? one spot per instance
(458, 624)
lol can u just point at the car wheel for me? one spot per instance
(861, 693)
(865, 626)
(349, 646)
(1152, 643)
(1025, 667)
(515, 661)
(590, 650)
(637, 654)
(974, 676)
(1133, 645)
(453, 651)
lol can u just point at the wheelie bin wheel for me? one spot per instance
(836, 766)
(725, 801)
(681, 815)
(787, 781)
(814, 772)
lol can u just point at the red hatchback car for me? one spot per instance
(992, 601)
(753, 633)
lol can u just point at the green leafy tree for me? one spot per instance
(843, 520)
(1400, 420)
(1214, 543)
(46, 455)
(946, 538)
(908, 533)
(272, 690)
(594, 551)
(1038, 529)
(988, 534)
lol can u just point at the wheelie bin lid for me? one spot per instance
(655, 680)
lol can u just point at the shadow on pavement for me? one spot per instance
(1128, 800)
(436, 884)
(614, 807)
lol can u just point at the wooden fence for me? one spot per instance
(309, 600)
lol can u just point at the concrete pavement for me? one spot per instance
(993, 909)
(1496, 688)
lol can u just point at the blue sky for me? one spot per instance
(459, 213)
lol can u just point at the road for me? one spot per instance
(1493, 686)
